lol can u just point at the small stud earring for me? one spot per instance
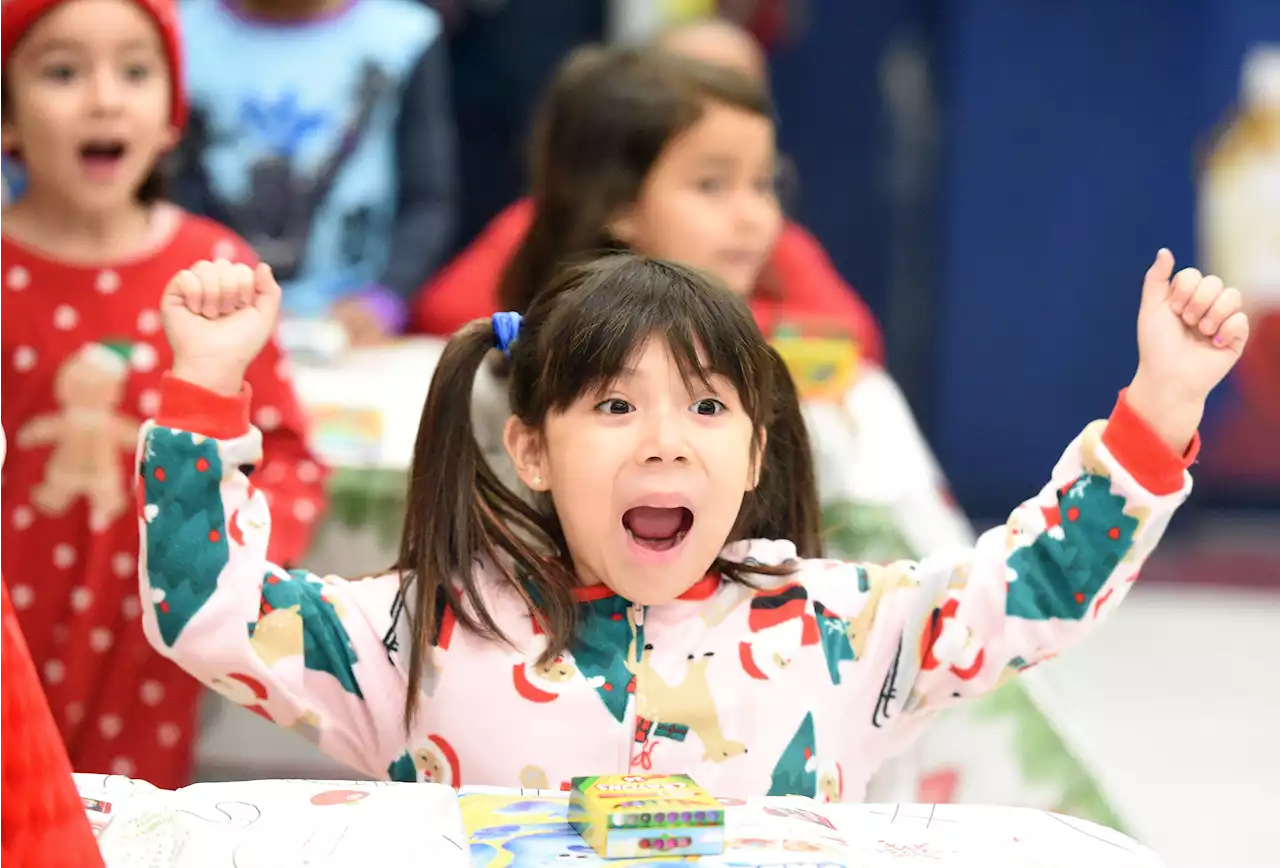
(537, 480)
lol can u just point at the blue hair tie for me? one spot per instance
(506, 328)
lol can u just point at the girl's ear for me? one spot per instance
(8, 137)
(757, 460)
(622, 227)
(524, 445)
(172, 136)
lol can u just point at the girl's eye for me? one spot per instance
(712, 185)
(709, 407)
(137, 72)
(614, 407)
(59, 72)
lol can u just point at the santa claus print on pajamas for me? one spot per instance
(432, 762)
(82, 354)
(781, 624)
(244, 690)
(544, 682)
(782, 621)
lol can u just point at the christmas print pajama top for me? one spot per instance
(802, 687)
(83, 354)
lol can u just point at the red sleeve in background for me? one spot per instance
(813, 287)
(769, 21)
(467, 288)
(291, 477)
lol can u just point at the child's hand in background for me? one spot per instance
(1191, 332)
(218, 316)
(361, 322)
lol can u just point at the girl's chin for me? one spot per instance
(739, 277)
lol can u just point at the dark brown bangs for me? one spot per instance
(613, 309)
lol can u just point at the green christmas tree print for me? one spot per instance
(326, 646)
(402, 770)
(834, 631)
(795, 774)
(600, 647)
(179, 488)
(1059, 574)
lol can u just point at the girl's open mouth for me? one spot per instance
(657, 528)
(101, 158)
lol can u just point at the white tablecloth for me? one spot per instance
(352, 824)
(274, 824)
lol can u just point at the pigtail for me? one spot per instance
(784, 504)
(459, 515)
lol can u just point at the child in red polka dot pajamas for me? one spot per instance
(92, 100)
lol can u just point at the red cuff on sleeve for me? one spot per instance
(1138, 448)
(193, 408)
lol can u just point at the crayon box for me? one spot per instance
(629, 816)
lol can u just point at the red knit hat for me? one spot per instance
(18, 16)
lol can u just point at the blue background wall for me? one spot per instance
(1066, 161)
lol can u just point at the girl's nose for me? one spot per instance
(664, 440)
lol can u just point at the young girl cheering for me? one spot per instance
(92, 101)
(661, 610)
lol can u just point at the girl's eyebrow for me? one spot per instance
(717, 161)
(62, 43)
(57, 44)
(708, 384)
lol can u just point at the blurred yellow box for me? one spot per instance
(824, 363)
(345, 436)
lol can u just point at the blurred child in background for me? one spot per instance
(328, 143)
(93, 99)
(801, 279)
